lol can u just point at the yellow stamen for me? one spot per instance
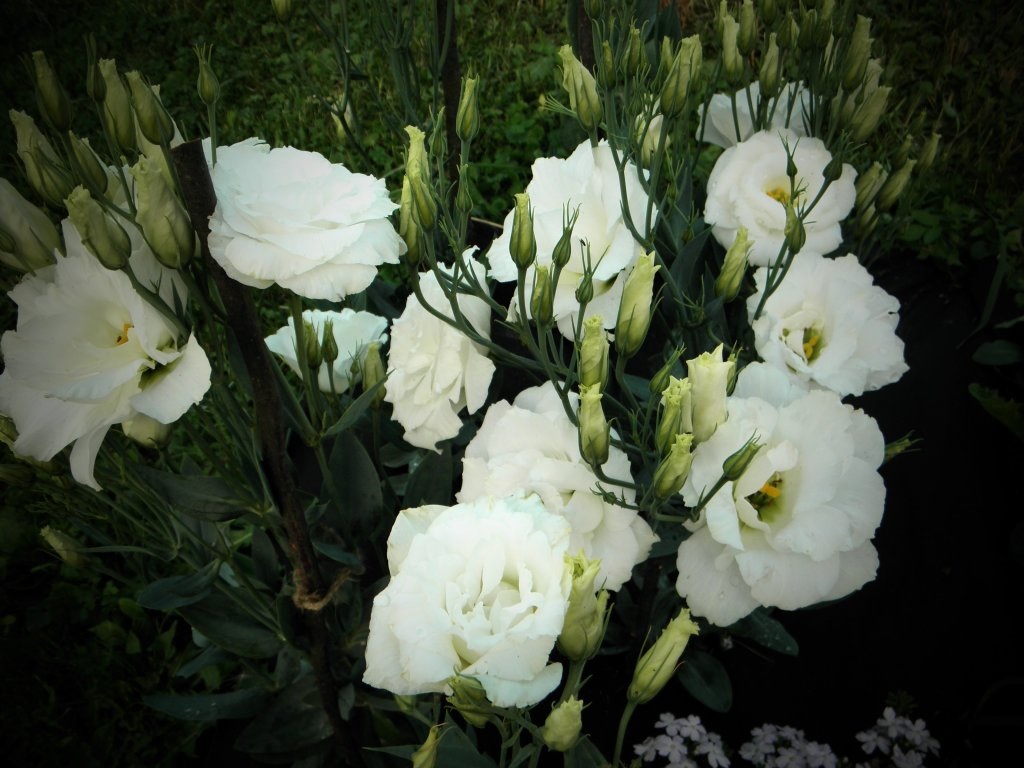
(770, 490)
(810, 345)
(122, 337)
(778, 193)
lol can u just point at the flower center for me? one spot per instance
(122, 337)
(778, 193)
(812, 344)
(765, 497)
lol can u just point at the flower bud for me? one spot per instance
(676, 413)
(101, 235)
(709, 375)
(666, 55)
(658, 664)
(928, 152)
(118, 119)
(869, 183)
(794, 231)
(633, 54)
(463, 197)
(789, 34)
(373, 371)
(808, 30)
(747, 34)
(561, 729)
(768, 76)
(870, 112)
(732, 63)
(682, 75)
(95, 86)
(563, 248)
(542, 297)
(67, 548)
(857, 55)
(522, 245)
(671, 474)
(29, 237)
(661, 379)
(736, 464)
(417, 171)
(650, 138)
(438, 141)
(408, 229)
(594, 8)
(283, 9)
(153, 120)
(328, 344)
(595, 434)
(769, 11)
(579, 84)
(314, 354)
(426, 755)
(52, 99)
(207, 84)
(86, 166)
(160, 214)
(585, 289)
(729, 280)
(606, 71)
(894, 186)
(146, 431)
(43, 169)
(635, 306)
(593, 355)
(583, 628)
(470, 698)
(467, 119)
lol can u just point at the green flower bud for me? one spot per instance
(470, 698)
(929, 152)
(146, 431)
(709, 375)
(153, 120)
(633, 54)
(522, 245)
(563, 248)
(579, 84)
(585, 290)
(769, 74)
(894, 186)
(593, 354)
(43, 169)
(594, 8)
(789, 34)
(95, 86)
(542, 297)
(676, 409)
(682, 76)
(732, 62)
(870, 112)
(808, 30)
(438, 142)
(314, 354)
(857, 55)
(661, 379)
(207, 84)
(583, 628)
(283, 9)
(671, 474)
(463, 198)
(52, 99)
(118, 119)
(869, 183)
(426, 755)
(467, 119)
(634, 318)
(373, 371)
(794, 231)
(68, 549)
(29, 237)
(769, 11)
(417, 172)
(736, 464)
(747, 35)
(101, 235)
(328, 344)
(658, 664)
(606, 68)
(666, 55)
(162, 217)
(408, 229)
(595, 434)
(86, 166)
(562, 727)
(729, 280)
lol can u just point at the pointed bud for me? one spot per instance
(583, 628)
(563, 248)
(658, 664)
(118, 119)
(68, 549)
(373, 371)
(675, 417)
(426, 755)
(633, 54)
(328, 344)
(153, 120)
(671, 474)
(736, 464)
(857, 55)
(470, 698)
(595, 434)
(709, 375)
(95, 86)
(682, 76)
(29, 237)
(463, 198)
(789, 34)
(732, 62)
(808, 30)
(579, 83)
(634, 318)
(103, 237)
(52, 99)
(769, 11)
(593, 355)
(43, 169)
(162, 217)
(661, 379)
(768, 76)
(794, 230)
(86, 166)
(606, 70)
(207, 84)
(747, 35)
(314, 354)
(542, 297)
(894, 186)
(562, 727)
(929, 152)
(439, 135)
(870, 112)
(729, 280)
(417, 171)
(408, 229)
(467, 119)
(523, 245)
(283, 9)
(869, 183)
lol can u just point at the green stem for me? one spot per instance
(627, 713)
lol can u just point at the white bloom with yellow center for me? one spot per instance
(795, 528)
(88, 353)
(478, 589)
(829, 325)
(748, 187)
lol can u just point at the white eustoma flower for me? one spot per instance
(787, 110)
(828, 324)
(748, 187)
(436, 370)
(88, 353)
(294, 218)
(477, 589)
(587, 180)
(795, 528)
(353, 331)
(531, 446)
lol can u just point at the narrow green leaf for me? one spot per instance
(706, 680)
(293, 721)
(205, 498)
(178, 591)
(354, 410)
(220, 620)
(207, 707)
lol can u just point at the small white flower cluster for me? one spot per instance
(774, 746)
(904, 742)
(683, 743)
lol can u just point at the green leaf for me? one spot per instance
(999, 352)
(1008, 412)
(338, 554)
(354, 410)
(209, 656)
(706, 680)
(207, 707)
(221, 621)
(205, 498)
(293, 721)
(356, 480)
(586, 755)
(178, 591)
(764, 630)
(431, 481)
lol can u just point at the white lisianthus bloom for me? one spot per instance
(88, 353)
(787, 110)
(435, 370)
(352, 331)
(294, 218)
(748, 187)
(830, 325)
(795, 528)
(531, 446)
(479, 590)
(587, 179)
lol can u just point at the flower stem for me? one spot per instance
(627, 713)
